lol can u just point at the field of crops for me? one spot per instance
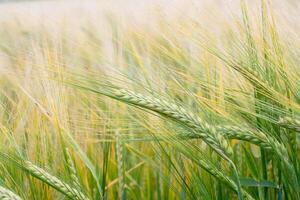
(151, 100)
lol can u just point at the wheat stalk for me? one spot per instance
(120, 165)
(6, 194)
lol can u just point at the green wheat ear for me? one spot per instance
(6, 194)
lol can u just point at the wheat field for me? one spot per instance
(150, 99)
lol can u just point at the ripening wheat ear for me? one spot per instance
(73, 174)
(290, 123)
(179, 114)
(207, 133)
(282, 154)
(52, 181)
(235, 132)
(6, 194)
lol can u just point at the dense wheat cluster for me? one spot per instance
(145, 99)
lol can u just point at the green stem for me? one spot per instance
(264, 170)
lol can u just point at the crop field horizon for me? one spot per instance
(150, 100)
